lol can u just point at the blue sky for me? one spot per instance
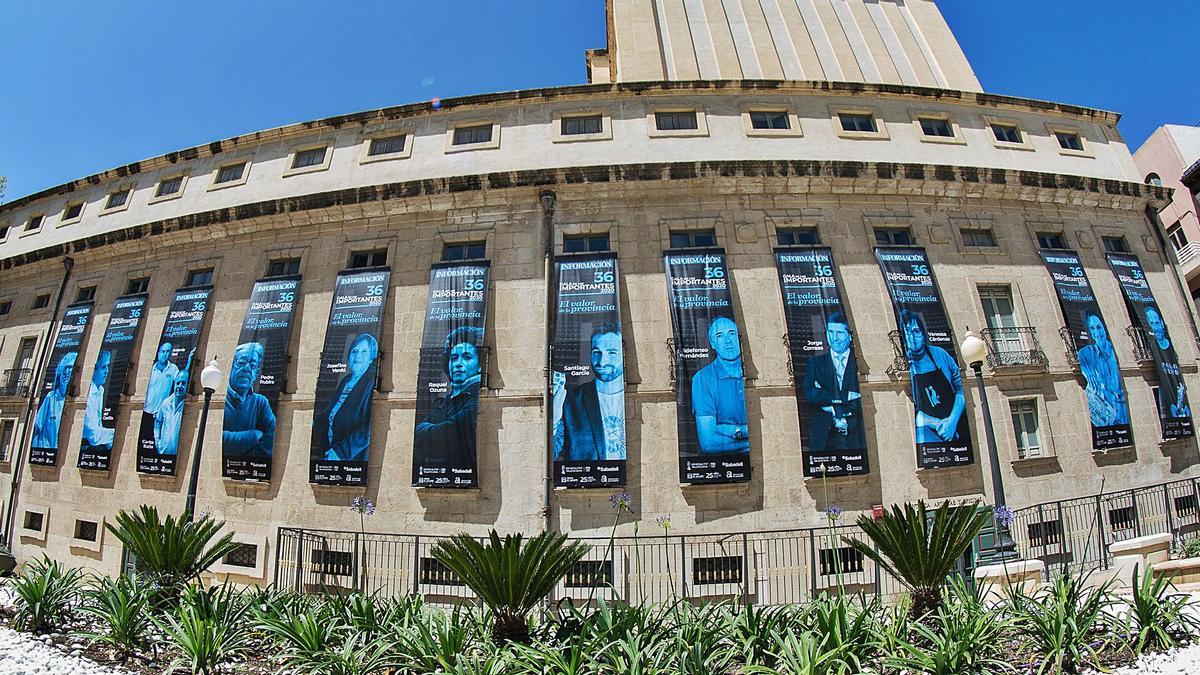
(90, 85)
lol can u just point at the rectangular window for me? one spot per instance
(472, 250)
(86, 293)
(1051, 240)
(41, 301)
(769, 119)
(693, 239)
(893, 236)
(283, 267)
(1185, 505)
(432, 571)
(590, 574)
(363, 259)
(1006, 133)
(336, 563)
(934, 126)
(4, 231)
(845, 559)
(7, 427)
(1045, 533)
(479, 133)
(585, 243)
(117, 199)
(245, 555)
(725, 569)
(5, 307)
(34, 223)
(857, 122)
(1025, 428)
(202, 277)
(1121, 518)
(582, 124)
(230, 173)
(798, 236)
(87, 530)
(997, 306)
(73, 211)
(387, 145)
(24, 360)
(676, 121)
(1177, 236)
(978, 236)
(1115, 244)
(307, 158)
(1069, 141)
(33, 521)
(169, 186)
(139, 285)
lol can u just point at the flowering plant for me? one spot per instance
(1003, 515)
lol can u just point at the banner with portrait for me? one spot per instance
(1174, 409)
(256, 379)
(588, 374)
(1108, 406)
(824, 367)
(341, 430)
(449, 376)
(106, 382)
(710, 384)
(943, 435)
(170, 373)
(60, 373)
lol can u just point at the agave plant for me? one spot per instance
(1065, 626)
(1159, 616)
(45, 591)
(510, 575)
(171, 551)
(919, 549)
(121, 606)
(204, 640)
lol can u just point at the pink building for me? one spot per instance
(1171, 158)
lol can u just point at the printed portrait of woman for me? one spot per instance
(346, 423)
(447, 434)
(49, 414)
(1098, 363)
(936, 384)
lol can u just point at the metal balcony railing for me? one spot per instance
(15, 382)
(1072, 349)
(899, 354)
(1188, 254)
(1013, 347)
(1141, 343)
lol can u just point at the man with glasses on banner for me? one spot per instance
(249, 421)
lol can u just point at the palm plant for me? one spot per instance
(171, 551)
(919, 549)
(510, 576)
(45, 592)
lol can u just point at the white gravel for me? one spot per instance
(24, 654)
(1184, 661)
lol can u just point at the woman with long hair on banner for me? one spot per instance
(1098, 363)
(346, 423)
(49, 415)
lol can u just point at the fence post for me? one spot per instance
(683, 589)
(278, 553)
(878, 580)
(745, 570)
(357, 564)
(1167, 510)
(1062, 539)
(416, 574)
(299, 558)
(1137, 521)
(1100, 533)
(812, 562)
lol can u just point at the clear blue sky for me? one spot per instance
(92, 85)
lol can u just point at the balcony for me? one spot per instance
(899, 355)
(15, 383)
(1141, 344)
(1015, 347)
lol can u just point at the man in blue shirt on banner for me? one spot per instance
(719, 393)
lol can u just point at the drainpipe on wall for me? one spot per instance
(548, 199)
(35, 380)
(1165, 248)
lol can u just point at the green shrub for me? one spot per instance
(965, 637)
(434, 642)
(171, 551)
(1065, 626)
(203, 636)
(1158, 618)
(1190, 548)
(46, 591)
(122, 607)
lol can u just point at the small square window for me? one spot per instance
(582, 124)
(169, 186)
(937, 127)
(388, 145)
(466, 251)
(725, 569)
(1006, 133)
(311, 157)
(590, 574)
(41, 301)
(283, 267)
(7, 429)
(34, 521)
(1025, 427)
(201, 277)
(336, 563)
(978, 237)
(434, 572)
(585, 243)
(5, 307)
(139, 285)
(1115, 244)
(769, 119)
(844, 559)
(893, 236)
(679, 120)
(365, 259)
(85, 294)
(1069, 141)
(117, 200)
(1045, 533)
(798, 236)
(1051, 240)
(87, 530)
(1185, 505)
(72, 212)
(1121, 518)
(230, 173)
(34, 223)
(243, 555)
(693, 239)
(470, 135)
(858, 123)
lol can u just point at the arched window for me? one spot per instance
(1153, 179)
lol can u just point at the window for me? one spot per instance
(387, 145)
(7, 427)
(1025, 428)
(582, 124)
(1051, 240)
(4, 231)
(465, 251)
(72, 212)
(1153, 179)
(844, 559)
(590, 574)
(938, 127)
(1006, 133)
(677, 120)
(169, 186)
(201, 277)
(24, 360)
(724, 569)
(1121, 518)
(34, 521)
(138, 285)
(997, 307)
(893, 236)
(585, 243)
(1045, 533)
(1185, 505)
(478, 133)
(230, 173)
(1115, 244)
(769, 119)
(116, 200)
(283, 267)
(693, 239)
(337, 563)
(5, 307)
(41, 301)
(1069, 141)
(432, 571)
(858, 123)
(85, 294)
(34, 223)
(797, 236)
(243, 555)
(311, 157)
(978, 236)
(375, 258)
(87, 530)
(1177, 236)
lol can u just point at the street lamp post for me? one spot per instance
(210, 379)
(1003, 549)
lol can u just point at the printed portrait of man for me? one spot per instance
(831, 387)
(447, 434)
(1098, 364)
(49, 414)
(249, 427)
(169, 417)
(589, 419)
(95, 434)
(719, 393)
